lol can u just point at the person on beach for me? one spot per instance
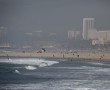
(78, 56)
(63, 56)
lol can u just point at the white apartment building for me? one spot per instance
(99, 37)
(88, 24)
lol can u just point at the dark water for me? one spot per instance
(55, 74)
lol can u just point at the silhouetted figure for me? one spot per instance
(78, 56)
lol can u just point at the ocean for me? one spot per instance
(53, 74)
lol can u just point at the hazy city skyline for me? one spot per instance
(59, 16)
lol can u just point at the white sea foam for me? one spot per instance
(16, 71)
(38, 62)
(77, 68)
(30, 67)
(85, 89)
(43, 64)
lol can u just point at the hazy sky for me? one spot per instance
(22, 16)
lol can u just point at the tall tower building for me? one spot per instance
(88, 23)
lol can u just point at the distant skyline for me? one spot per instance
(25, 16)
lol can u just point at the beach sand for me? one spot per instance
(70, 55)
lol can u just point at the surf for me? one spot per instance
(30, 62)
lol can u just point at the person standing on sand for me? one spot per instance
(63, 56)
(78, 56)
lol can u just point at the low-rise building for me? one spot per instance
(92, 34)
(73, 34)
(99, 37)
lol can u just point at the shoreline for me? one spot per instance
(59, 55)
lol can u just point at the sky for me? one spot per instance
(25, 16)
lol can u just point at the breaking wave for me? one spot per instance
(17, 71)
(30, 67)
(30, 62)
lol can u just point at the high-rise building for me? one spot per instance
(88, 24)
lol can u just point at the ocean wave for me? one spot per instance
(30, 67)
(85, 89)
(100, 64)
(28, 61)
(17, 71)
(62, 85)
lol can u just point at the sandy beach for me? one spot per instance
(66, 55)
